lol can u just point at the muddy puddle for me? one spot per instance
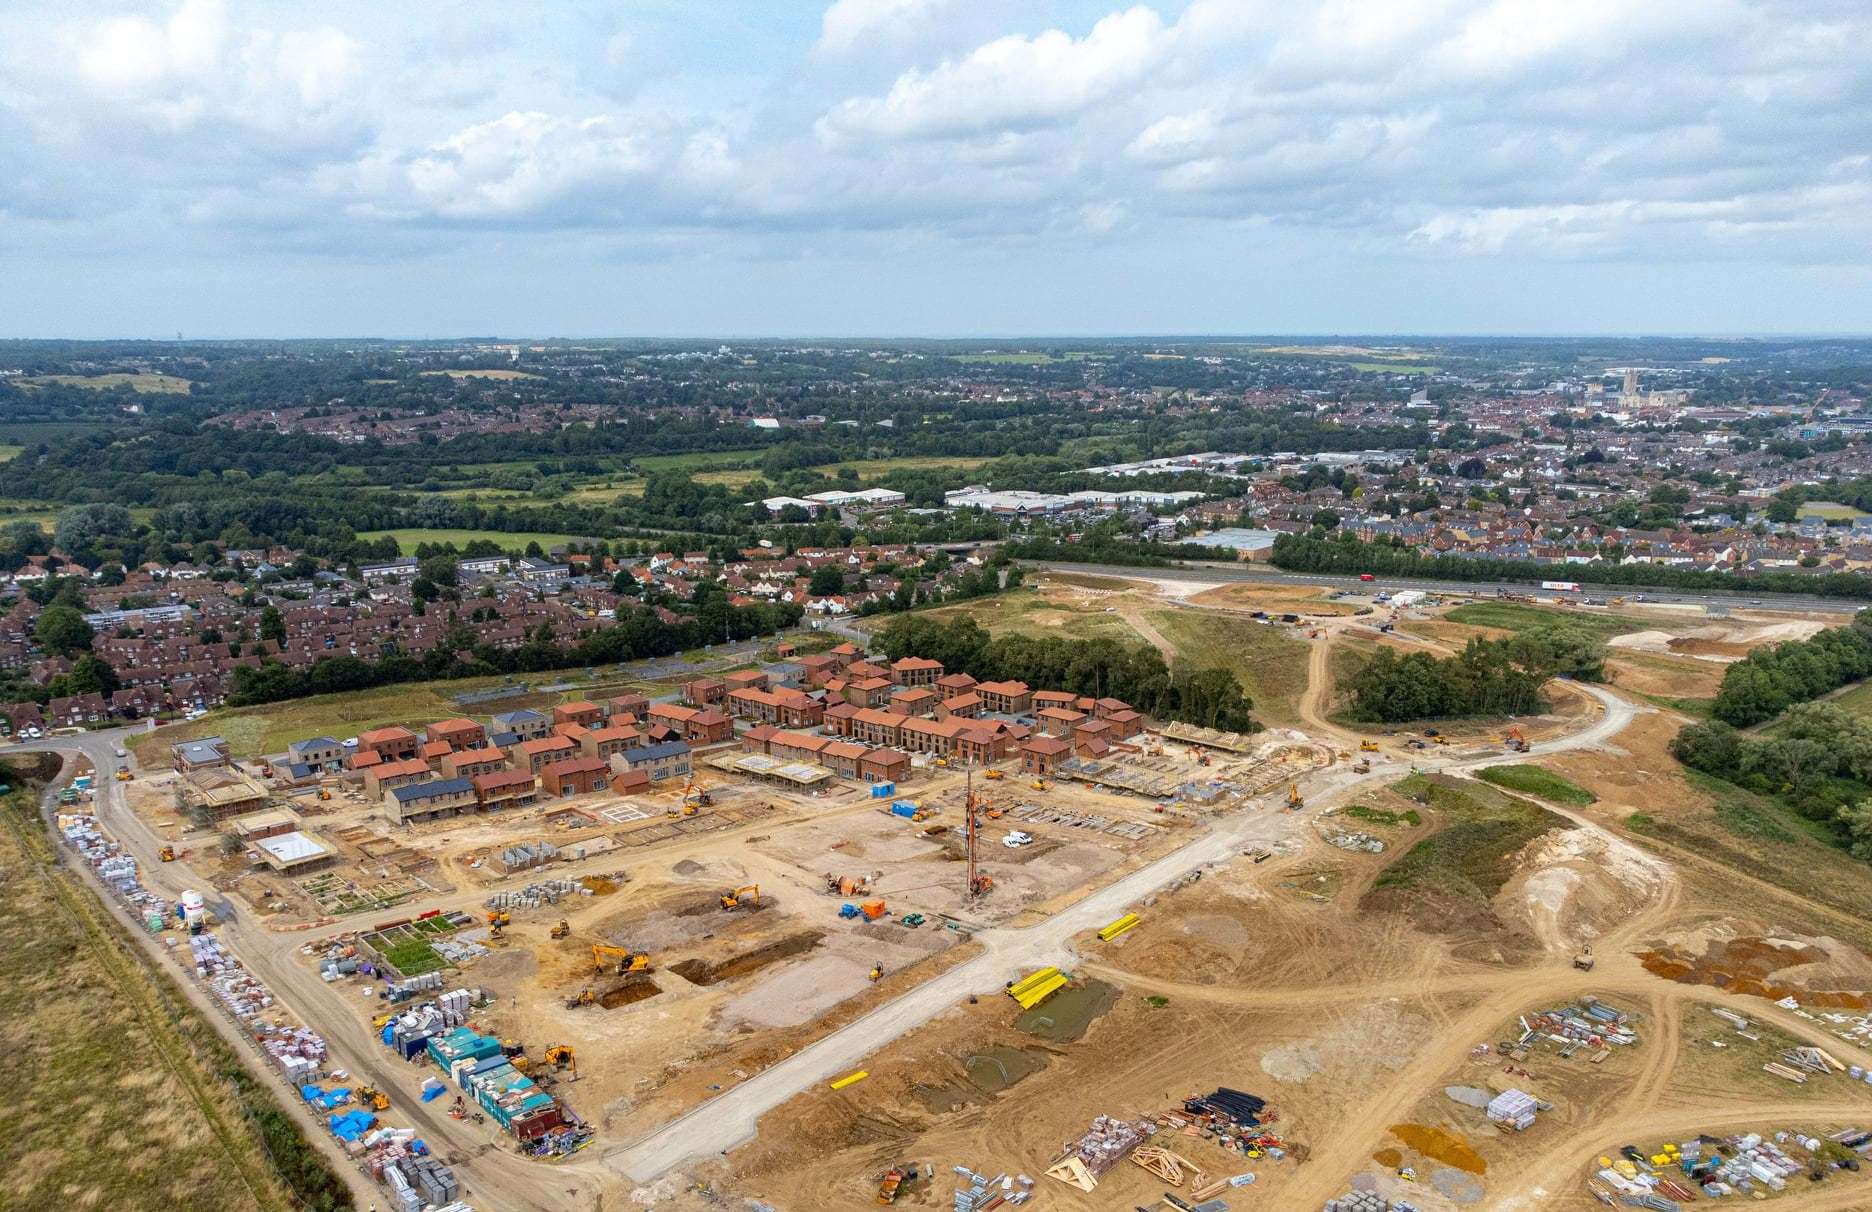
(1067, 1015)
(629, 992)
(989, 1071)
(701, 972)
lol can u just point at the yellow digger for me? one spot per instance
(498, 921)
(1293, 797)
(561, 1056)
(373, 1099)
(628, 961)
(1368, 745)
(742, 898)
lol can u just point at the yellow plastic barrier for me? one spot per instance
(851, 1079)
(1034, 988)
(1118, 927)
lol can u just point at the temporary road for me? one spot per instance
(1264, 574)
(730, 1118)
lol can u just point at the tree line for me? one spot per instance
(1819, 763)
(1349, 555)
(636, 636)
(1098, 668)
(1769, 680)
(1487, 678)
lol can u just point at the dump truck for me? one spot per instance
(584, 997)
(1584, 960)
(168, 854)
(562, 929)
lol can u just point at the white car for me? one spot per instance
(1017, 839)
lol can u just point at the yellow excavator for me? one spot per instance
(373, 1099)
(1368, 745)
(628, 961)
(1293, 797)
(877, 973)
(562, 929)
(739, 898)
(561, 1056)
(498, 921)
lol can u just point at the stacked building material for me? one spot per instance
(1512, 1109)
(533, 896)
(527, 855)
(1233, 1105)
(1367, 1201)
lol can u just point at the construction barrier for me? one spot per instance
(1030, 990)
(1118, 927)
(851, 1079)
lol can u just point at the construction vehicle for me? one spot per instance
(877, 973)
(585, 997)
(123, 774)
(892, 1181)
(1515, 740)
(628, 961)
(498, 921)
(562, 929)
(1294, 801)
(168, 854)
(373, 1099)
(845, 885)
(1584, 960)
(1367, 745)
(1042, 785)
(561, 1056)
(742, 898)
(324, 793)
(1361, 767)
(993, 774)
(695, 797)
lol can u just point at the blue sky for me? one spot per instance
(934, 167)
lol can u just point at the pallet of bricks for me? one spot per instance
(415, 1181)
(1367, 1201)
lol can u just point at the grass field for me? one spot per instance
(1514, 616)
(121, 1094)
(871, 469)
(252, 731)
(409, 539)
(1020, 358)
(1480, 829)
(1269, 663)
(1537, 781)
(504, 375)
(1830, 511)
(146, 383)
(9, 452)
(1024, 612)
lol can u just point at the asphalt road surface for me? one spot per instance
(1266, 575)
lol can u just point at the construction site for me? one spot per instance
(1318, 965)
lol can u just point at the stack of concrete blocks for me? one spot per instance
(1366, 1201)
(527, 855)
(410, 987)
(548, 892)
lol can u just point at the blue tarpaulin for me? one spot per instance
(351, 1125)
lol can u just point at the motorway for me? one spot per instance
(1264, 574)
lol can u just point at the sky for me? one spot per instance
(875, 168)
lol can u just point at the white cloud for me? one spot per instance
(848, 24)
(1012, 82)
